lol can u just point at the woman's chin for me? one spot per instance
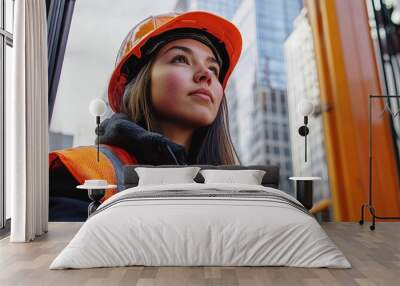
(199, 120)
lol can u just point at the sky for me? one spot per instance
(98, 28)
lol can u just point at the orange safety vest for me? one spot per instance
(82, 163)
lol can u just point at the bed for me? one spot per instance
(201, 224)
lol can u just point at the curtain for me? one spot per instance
(59, 22)
(27, 123)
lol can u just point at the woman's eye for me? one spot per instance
(214, 70)
(180, 59)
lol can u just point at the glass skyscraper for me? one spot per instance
(224, 8)
(274, 22)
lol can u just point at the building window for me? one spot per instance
(6, 44)
(273, 102)
(275, 131)
(264, 100)
(287, 152)
(285, 135)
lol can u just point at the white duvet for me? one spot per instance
(207, 230)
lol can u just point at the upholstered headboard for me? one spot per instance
(270, 179)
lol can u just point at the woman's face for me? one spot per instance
(184, 83)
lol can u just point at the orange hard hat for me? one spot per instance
(224, 36)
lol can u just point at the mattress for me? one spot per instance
(201, 225)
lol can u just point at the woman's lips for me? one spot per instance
(202, 96)
(202, 93)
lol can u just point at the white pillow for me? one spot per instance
(249, 177)
(162, 176)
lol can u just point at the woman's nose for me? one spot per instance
(203, 74)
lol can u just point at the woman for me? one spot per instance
(167, 92)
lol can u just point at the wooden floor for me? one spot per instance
(374, 255)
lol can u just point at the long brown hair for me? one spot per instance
(209, 145)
